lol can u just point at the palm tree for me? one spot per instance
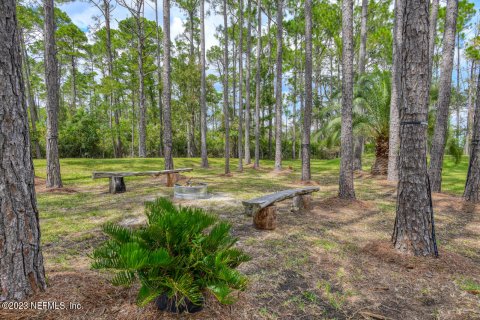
(371, 117)
(372, 103)
(167, 117)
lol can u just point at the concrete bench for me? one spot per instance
(264, 211)
(117, 184)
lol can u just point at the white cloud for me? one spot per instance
(176, 27)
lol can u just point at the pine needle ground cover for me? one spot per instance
(334, 262)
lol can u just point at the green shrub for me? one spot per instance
(181, 252)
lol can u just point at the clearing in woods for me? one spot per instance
(334, 262)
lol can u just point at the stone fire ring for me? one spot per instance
(198, 191)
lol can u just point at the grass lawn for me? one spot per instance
(333, 262)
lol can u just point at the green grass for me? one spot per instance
(74, 216)
(469, 285)
(454, 175)
(316, 251)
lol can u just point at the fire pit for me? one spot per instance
(190, 191)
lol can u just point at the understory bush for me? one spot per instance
(180, 253)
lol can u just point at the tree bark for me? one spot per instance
(167, 117)
(159, 76)
(346, 188)
(307, 115)
(30, 97)
(142, 110)
(363, 38)
(21, 266)
(257, 85)
(395, 98)
(191, 120)
(414, 231)
(472, 186)
(247, 85)
(266, 83)
(52, 82)
(380, 166)
(471, 109)
(294, 96)
(278, 89)
(240, 90)
(117, 141)
(203, 104)
(441, 122)
(73, 107)
(432, 35)
(226, 112)
(359, 139)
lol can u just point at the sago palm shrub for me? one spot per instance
(177, 256)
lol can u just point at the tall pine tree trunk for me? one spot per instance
(73, 106)
(442, 115)
(414, 228)
(240, 90)
(432, 35)
(117, 148)
(307, 114)
(54, 179)
(203, 104)
(247, 85)
(278, 88)
(257, 85)
(30, 97)
(359, 139)
(167, 117)
(346, 189)
(472, 186)
(21, 264)
(295, 94)
(226, 112)
(142, 109)
(267, 82)
(395, 98)
(471, 109)
(159, 77)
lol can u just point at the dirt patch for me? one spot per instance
(40, 187)
(307, 183)
(89, 295)
(333, 203)
(280, 173)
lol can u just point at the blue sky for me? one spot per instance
(82, 14)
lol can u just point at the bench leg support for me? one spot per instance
(117, 185)
(172, 178)
(266, 219)
(303, 202)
